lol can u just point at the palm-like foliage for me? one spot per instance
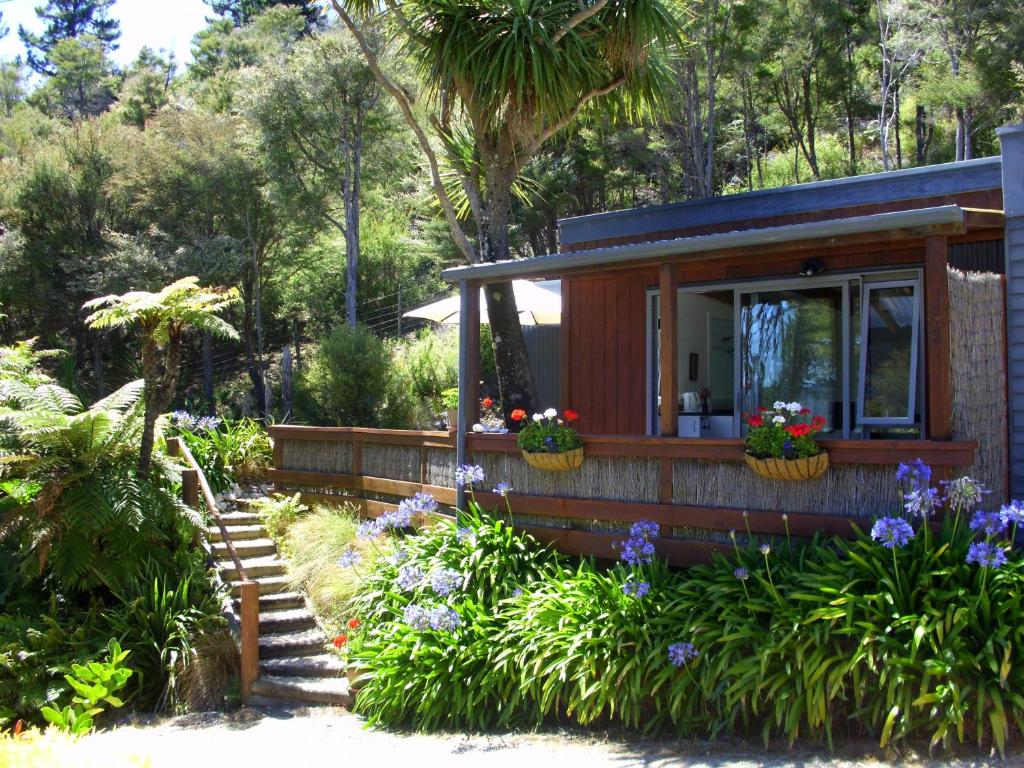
(163, 317)
(73, 497)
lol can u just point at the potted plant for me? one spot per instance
(547, 441)
(450, 401)
(780, 443)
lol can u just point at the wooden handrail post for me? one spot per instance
(250, 630)
(190, 488)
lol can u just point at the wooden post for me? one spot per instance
(173, 446)
(190, 488)
(669, 307)
(250, 617)
(564, 350)
(473, 362)
(939, 384)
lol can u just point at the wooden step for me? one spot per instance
(286, 621)
(247, 548)
(281, 601)
(321, 665)
(269, 585)
(237, 533)
(310, 642)
(241, 518)
(255, 568)
(332, 690)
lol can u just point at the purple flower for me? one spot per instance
(1012, 513)
(550, 443)
(892, 532)
(680, 654)
(644, 529)
(989, 522)
(986, 555)
(503, 489)
(636, 588)
(637, 551)
(469, 474)
(765, 550)
(465, 534)
(444, 581)
(370, 529)
(423, 503)
(921, 502)
(399, 556)
(444, 618)
(349, 558)
(517, 592)
(964, 492)
(914, 476)
(741, 573)
(409, 577)
(416, 616)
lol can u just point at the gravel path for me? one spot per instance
(323, 737)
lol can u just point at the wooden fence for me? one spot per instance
(699, 491)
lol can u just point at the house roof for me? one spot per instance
(912, 224)
(870, 189)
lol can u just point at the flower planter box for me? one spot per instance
(555, 462)
(789, 469)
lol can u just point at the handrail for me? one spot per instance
(176, 447)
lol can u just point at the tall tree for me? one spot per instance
(500, 80)
(241, 12)
(900, 48)
(316, 115)
(82, 83)
(69, 20)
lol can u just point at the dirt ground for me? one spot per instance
(313, 738)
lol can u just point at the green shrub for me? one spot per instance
(229, 452)
(280, 513)
(432, 363)
(94, 684)
(350, 380)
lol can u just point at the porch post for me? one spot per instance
(936, 302)
(469, 376)
(669, 310)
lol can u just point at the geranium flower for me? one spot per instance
(518, 414)
(340, 640)
(755, 421)
(354, 623)
(550, 413)
(487, 402)
(571, 415)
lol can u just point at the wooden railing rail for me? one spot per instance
(194, 483)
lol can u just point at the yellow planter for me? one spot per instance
(555, 462)
(789, 469)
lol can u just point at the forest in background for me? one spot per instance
(274, 162)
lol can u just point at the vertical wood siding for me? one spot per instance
(606, 354)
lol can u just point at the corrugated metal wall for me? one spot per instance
(543, 349)
(983, 256)
(1015, 321)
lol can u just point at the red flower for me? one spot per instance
(818, 422)
(340, 640)
(487, 402)
(798, 430)
(755, 421)
(805, 411)
(354, 623)
(518, 414)
(763, 408)
(571, 415)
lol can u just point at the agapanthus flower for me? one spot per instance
(964, 492)
(636, 588)
(208, 424)
(416, 616)
(765, 550)
(398, 556)
(644, 529)
(986, 554)
(503, 489)
(465, 534)
(517, 592)
(1012, 513)
(741, 573)
(443, 618)
(680, 654)
(892, 532)
(637, 551)
(444, 581)
(349, 558)
(989, 522)
(424, 503)
(921, 502)
(914, 476)
(400, 518)
(469, 474)
(409, 577)
(370, 529)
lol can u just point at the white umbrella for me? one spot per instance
(538, 304)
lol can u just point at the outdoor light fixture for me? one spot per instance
(812, 268)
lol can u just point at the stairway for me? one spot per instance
(295, 665)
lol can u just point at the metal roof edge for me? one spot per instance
(882, 187)
(556, 262)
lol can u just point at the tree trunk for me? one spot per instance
(969, 133)
(286, 383)
(896, 117)
(922, 135)
(248, 333)
(296, 332)
(351, 199)
(208, 373)
(959, 133)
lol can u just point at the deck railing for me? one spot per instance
(194, 486)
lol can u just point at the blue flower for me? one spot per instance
(964, 492)
(990, 522)
(680, 654)
(409, 578)
(1012, 513)
(643, 529)
(637, 551)
(416, 616)
(914, 476)
(986, 555)
(370, 529)
(765, 550)
(503, 489)
(469, 474)
(444, 581)
(892, 532)
(636, 588)
(741, 573)
(921, 501)
(349, 558)
(465, 534)
(517, 592)
(399, 556)
(444, 618)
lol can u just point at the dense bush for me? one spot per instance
(229, 452)
(350, 379)
(903, 633)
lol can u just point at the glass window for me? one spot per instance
(888, 365)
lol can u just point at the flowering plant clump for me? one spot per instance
(186, 422)
(892, 532)
(547, 432)
(784, 431)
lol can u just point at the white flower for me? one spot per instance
(550, 413)
(779, 419)
(778, 405)
(478, 428)
(794, 407)
(537, 417)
